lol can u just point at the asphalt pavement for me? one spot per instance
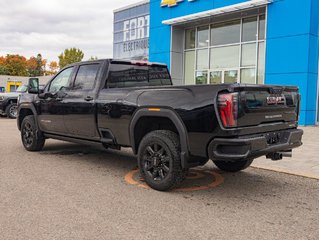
(71, 191)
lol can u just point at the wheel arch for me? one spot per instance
(12, 100)
(26, 110)
(160, 113)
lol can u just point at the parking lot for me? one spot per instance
(71, 191)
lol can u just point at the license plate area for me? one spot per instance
(274, 138)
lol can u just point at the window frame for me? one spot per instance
(76, 74)
(257, 41)
(48, 86)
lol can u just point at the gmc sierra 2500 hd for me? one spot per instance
(170, 128)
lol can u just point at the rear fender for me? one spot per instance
(164, 113)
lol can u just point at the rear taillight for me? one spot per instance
(228, 109)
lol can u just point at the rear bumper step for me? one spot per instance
(225, 149)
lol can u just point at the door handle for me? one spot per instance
(88, 98)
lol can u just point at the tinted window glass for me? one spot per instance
(262, 23)
(202, 37)
(127, 75)
(61, 80)
(190, 38)
(225, 33)
(86, 77)
(249, 32)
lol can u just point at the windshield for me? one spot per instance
(22, 89)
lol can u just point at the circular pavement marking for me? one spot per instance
(196, 180)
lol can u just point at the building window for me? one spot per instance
(190, 39)
(226, 52)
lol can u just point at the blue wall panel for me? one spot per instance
(288, 17)
(287, 54)
(314, 17)
(313, 53)
(312, 92)
(292, 50)
(291, 79)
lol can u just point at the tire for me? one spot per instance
(32, 139)
(233, 166)
(159, 160)
(11, 110)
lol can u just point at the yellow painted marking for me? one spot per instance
(197, 174)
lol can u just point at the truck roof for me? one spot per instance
(118, 61)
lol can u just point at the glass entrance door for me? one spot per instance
(223, 76)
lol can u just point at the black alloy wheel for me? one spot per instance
(27, 135)
(156, 161)
(32, 138)
(159, 160)
(11, 110)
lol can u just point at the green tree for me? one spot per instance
(40, 65)
(32, 67)
(69, 56)
(93, 58)
(36, 66)
(3, 67)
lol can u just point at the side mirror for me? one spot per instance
(33, 86)
(47, 95)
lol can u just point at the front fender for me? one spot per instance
(27, 106)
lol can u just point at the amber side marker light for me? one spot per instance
(154, 109)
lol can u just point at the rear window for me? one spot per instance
(127, 75)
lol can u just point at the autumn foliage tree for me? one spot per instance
(36, 66)
(3, 69)
(53, 68)
(69, 56)
(15, 65)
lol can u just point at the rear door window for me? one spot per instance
(128, 75)
(86, 77)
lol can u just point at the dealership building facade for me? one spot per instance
(227, 41)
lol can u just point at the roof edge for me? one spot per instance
(131, 6)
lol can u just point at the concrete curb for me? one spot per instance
(299, 174)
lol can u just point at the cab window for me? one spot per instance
(86, 77)
(61, 80)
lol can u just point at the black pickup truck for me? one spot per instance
(170, 128)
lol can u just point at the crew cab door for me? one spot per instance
(79, 103)
(51, 108)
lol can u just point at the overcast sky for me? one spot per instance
(28, 27)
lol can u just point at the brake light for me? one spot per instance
(228, 109)
(141, 63)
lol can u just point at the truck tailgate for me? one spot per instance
(267, 104)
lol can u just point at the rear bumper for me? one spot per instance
(254, 146)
